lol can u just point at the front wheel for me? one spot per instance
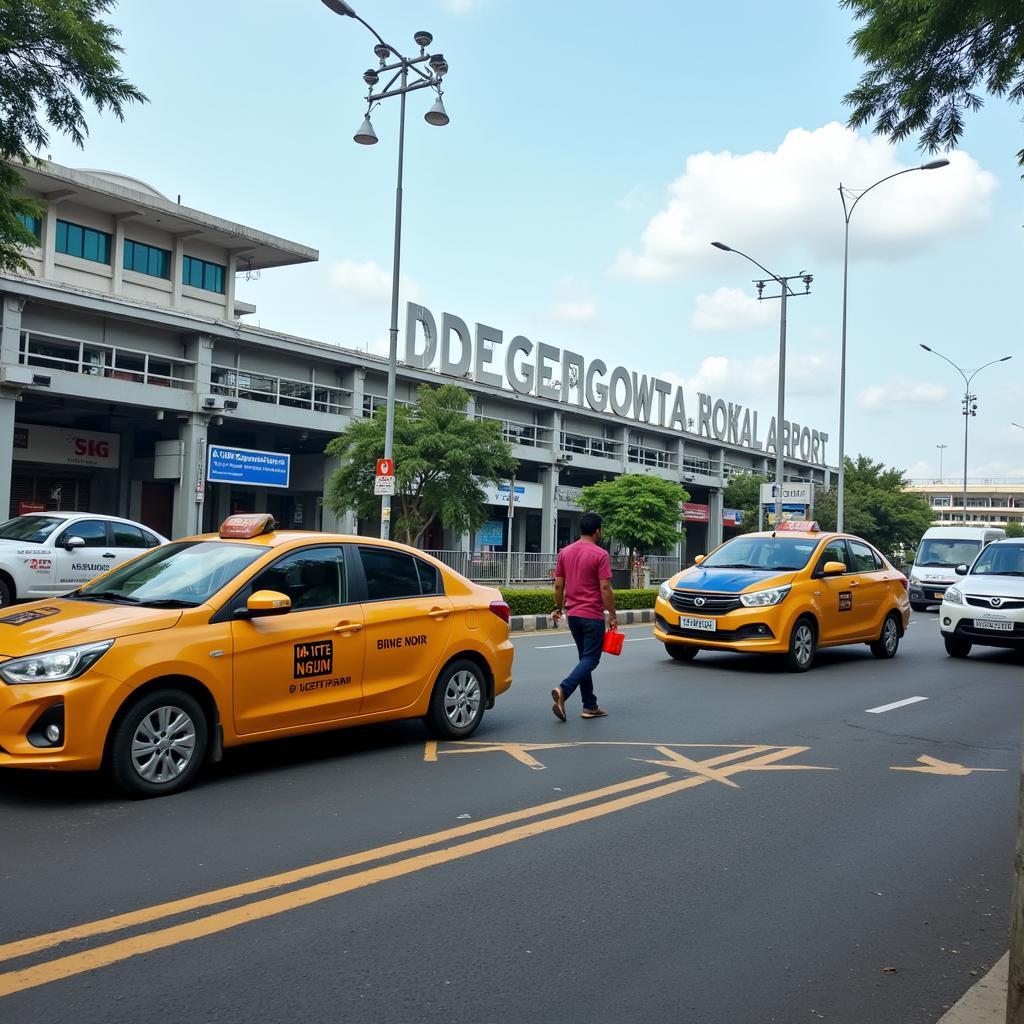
(457, 703)
(6, 595)
(159, 744)
(802, 643)
(956, 648)
(888, 643)
(681, 652)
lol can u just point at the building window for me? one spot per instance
(197, 273)
(34, 224)
(147, 259)
(85, 243)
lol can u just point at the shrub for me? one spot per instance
(542, 602)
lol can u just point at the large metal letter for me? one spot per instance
(620, 408)
(486, 339)
(547, 360)
(520, 380)
(450, 324)
(597, 393)
(415, 314)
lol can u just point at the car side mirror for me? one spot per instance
(74, 542)
(267, 602)
(699, 559)
(833, 569)
(961, 570)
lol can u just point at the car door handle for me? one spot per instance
(109, 554)
(439, 613)
(347, 628)
(854, 583)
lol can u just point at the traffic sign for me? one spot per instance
(385, 467)
(384, 477)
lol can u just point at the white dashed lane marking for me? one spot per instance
(895, 704)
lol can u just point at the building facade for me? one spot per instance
(989, 502)
(128, 375)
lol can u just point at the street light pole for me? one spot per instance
(780, 417)
(970, 404)
(942, 448)
(856, 195)
(392, 61)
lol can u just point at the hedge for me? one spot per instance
(542, 602)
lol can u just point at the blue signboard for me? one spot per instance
(247, 467)
(491, 534)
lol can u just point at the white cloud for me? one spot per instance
(460, 6)
(730, 309)
(632, 199)
(894, 394)
(584, 312)
(366, 283)
(768, 202)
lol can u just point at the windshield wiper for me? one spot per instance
(732, 565)
(169, 602)
(937, 565)
(1005, 572)
(786, 568)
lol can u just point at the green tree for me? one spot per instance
(877, 507)
(640, 512)
(442, 457)
(53, 55)
(744, 492)
(1014, 529)
(929, 61)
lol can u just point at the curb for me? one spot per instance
(985, 1001)
(537, 623)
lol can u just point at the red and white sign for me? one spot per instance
(385, 467)
(66, 447)
(384, 478)
(695, 512)
(798, 526)
(24, 507)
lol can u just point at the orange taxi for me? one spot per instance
(245, 635)
(790, 592)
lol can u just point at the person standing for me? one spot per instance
(583, 587)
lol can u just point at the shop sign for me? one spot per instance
(490, 534)
(732, 517)
(695, 512)
(527, 494)
(25, 507)
(568, 495)
(247, 467)
(792, 493)
(66, 446)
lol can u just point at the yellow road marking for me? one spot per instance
(22, 947)
(103, 956)
(933, 766)
(430, 751)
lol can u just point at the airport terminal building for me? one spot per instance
(131, 384)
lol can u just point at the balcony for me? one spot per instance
(641, 455)
(294, 394)
(585, 444)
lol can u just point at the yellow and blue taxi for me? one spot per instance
(244, 635)
(790, 592)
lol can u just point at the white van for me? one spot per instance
(941, 550)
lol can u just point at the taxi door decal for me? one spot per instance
(846, 600)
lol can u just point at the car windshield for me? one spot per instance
(1000, 560)
(937, 553)
(29, 529)
(175, 575)
(771, 554)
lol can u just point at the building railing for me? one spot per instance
(371, 403)
(641, 455)
(234, 382)
(530, 435)
(96, 359)
(537, 567)
(586, 444)
(705, 467)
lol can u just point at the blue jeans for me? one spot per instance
(589, 637)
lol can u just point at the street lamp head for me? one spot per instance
(370, 77)
(383, 52)
(925, 347)
(340, 7)
(1005, 358)
(436, 115)
(932, 165)
(366, 136)
(423, 38)
(722, 246)
(439, 64)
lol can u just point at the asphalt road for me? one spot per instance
(732, 844)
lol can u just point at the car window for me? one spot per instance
(151, 539)
(126, 536)
(29, 529)
(92, 531)
(430, 578)
(834, 551)
(768, 553)
(1000, 560)
(939, 553)
(389, 574)
(312, 578)
(862, 558)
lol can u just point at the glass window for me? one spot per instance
(862, 558)
(312, 578)
(940, 553)
(180, 574)
(389, 574)
(776, 554)
(34, 224)
(1001, 559)
(197, 273)
(147, 259)
(85, 243)
(430, 578)
(126, 536)
(92, 531)
(834, 551)
(29, 529)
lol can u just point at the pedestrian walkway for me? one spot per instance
(985, 1002)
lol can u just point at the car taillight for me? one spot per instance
(905, 582)
(502, 610)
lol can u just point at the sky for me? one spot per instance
(595, 150)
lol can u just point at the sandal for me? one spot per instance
(559, 703)
(593, 713)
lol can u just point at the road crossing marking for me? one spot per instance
(933, 766)
(895, 704)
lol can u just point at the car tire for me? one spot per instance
(955, 647)
(679, 652)
(918, 607)
(888, 642)
(6, 594)
(142, 730)
(457, 703)
(803, 642)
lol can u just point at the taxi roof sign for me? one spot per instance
(246, 525)
(798, 526)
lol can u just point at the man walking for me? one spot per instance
(583, 587)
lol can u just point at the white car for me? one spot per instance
(45, 554)
(986, 606)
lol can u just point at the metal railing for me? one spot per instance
(295, 394)
(657, 457)
(96, 359)
(585, 444)
(705, 467)
(537, 567)
(530, 435)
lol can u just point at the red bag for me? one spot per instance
(613, 641)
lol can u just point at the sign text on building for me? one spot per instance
(247, 467)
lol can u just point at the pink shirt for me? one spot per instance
(583, 565)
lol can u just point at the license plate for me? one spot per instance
(938, 594)
(707, 625)
(1002, 624)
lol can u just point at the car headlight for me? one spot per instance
(764, 598)
(54, 666)
(953, 596)
(665, 591)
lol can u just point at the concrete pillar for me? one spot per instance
(124, 472)
(716, 505)
(8, 407)
(549, 510)
(189, 492)
(199, 348)
(10, 329)
(358, 392)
